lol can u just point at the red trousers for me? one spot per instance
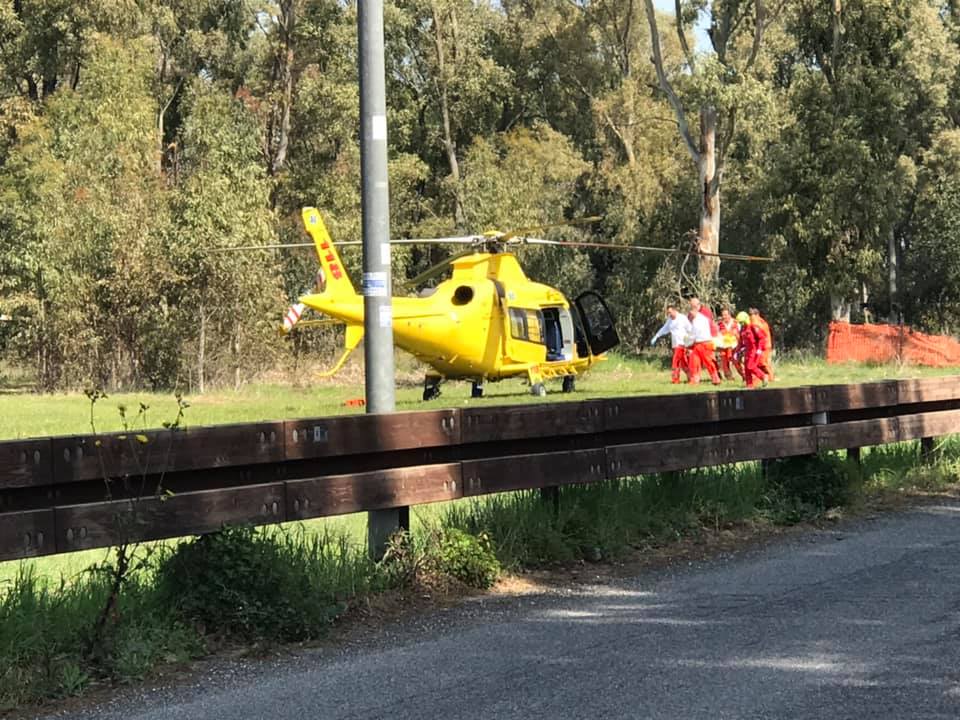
(752, 368)
(728, 361)
(766, 363)
(701, 356)
(679, 363)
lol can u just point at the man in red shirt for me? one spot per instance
(750, 350)
(766, 362)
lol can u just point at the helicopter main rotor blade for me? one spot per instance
(459, 240)
(276, 246)
(437, 269)
(642, 248)
(456, 240)
(518, 232)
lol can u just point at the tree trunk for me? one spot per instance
(839, 307)
(202, 351)
(236, 356)
(892, 280)
(709, 238)
(279, 130)
(283, 142)
(459, 215)
(43, 349)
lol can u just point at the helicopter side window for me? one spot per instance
(526, 325)
(534, 326)
(462, 295)
(518, 324)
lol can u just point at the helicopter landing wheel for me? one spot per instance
(538, 390)
(431, 389)
(476, 389)
(569, 383)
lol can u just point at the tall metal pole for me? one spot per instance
(377, 308)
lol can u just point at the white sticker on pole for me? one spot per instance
(385, 253)
(374, 284)
(378, 127)
(386, 316)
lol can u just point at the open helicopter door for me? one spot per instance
(597, 322)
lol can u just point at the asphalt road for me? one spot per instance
(859, 622)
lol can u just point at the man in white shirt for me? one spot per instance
(681, 334)
(701, 353)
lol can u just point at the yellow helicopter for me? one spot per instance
(487, 322)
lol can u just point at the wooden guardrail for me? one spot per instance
(67, 493)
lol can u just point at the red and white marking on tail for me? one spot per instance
(293, 316)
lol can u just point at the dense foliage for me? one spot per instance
(140, 137)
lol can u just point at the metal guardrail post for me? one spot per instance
(929, 450)
(853, 454)
(551, 496)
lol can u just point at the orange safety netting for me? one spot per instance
(890, 343)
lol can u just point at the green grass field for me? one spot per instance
(31, 415)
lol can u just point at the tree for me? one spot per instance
(523, 178)
(84, 212)
(443, 68)
(720, 86)
(931, 269)
(869, 87)
(223, 201)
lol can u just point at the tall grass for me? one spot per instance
(604, 520)
(47, 644)
(900, 467)
(177, 603)
(272, 584)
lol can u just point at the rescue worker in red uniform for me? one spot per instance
(766, 362)
(750, 350)
(680, 331)
(729, 339)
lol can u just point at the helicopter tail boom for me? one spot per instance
(332, 278)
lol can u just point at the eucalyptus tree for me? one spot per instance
(718, 86)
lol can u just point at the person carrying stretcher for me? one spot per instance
(680, 331)
(727, 344)
(750, 350)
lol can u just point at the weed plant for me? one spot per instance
(46, 633)
(270, 585)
